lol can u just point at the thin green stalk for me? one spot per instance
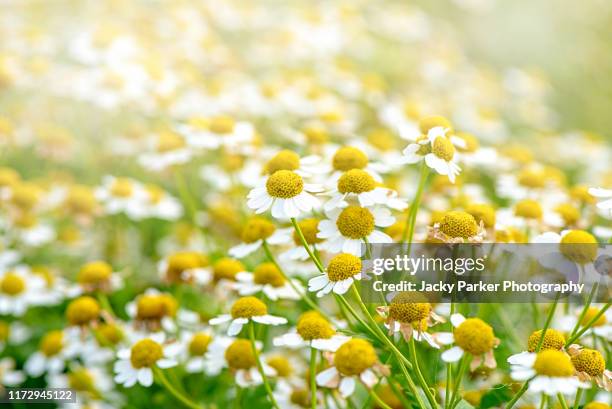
(588, 324)
(518, 395)
(313, 374)
(562, 401)
(420, 378)
(460, 373)
(298, 230)
(578, 398)
(414, 206)
(105, 303)
(584, 311)
(447, 387)
(174, 391)
(379, 401)
(260, 366)
(543, 401)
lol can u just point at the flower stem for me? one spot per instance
(414, 206)
(174, 391)
(588, 324)
(379, 401)
(543, 401)
(578, 398)
(260, 366)
(313, 382)
(314, 258)
(562, 401)
(415, 363)
(461, 372)
(584, 311)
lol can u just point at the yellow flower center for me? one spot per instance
(596, 405)
(268, 273)
(12, 284)
(589, 361)
(80, 200)
(579, 246)
(95, 272)
(355, 222)
(590, 314)
(155, 306)
(145, 353)
(474, 336)
(169, 141)
(312, 325)
(239, 355)
(529, 209)
(343, 266)
(26, 220)
(354, 356)
(9, 177)
(428, 122)
(553, 339)
(409, 307)
(226, 269)
(257, 228)
(553, 363)
(381, 139)
(52, 343)
(25, 195)
(199, 344)
(482, 212)
(108, 334)
(284, 184)
(471, 143)
(82, 311)
(155, 194)
(532, 178)
(221, 124)
(309, 228)
(182, 261)
(458, 224)
(356, 181)
(81, 380)
(301, 398)
(284, 160)
(247, 307)
(348, 157)
(5, 331)
(122, 187)
(281, 365)
(578, 192)
(443, 148)
(316, 134)
(568, 212)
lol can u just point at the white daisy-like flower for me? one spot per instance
(135, 365)
(13, 333)
(212, 133)
(91, 383)
(268, 279)
(549, 371)
(193, 348)
(359, 184)
(346, 158)
(312, 330)
(606, 194)
(348, 228)
(19, 289)
(339, 275)
(245, 310)
(29, 230)
(184, 267)
(8, 375)
(602, 327)
(254, 232)
(286, 193)
(119, 194)
(436, 150)
(158, 204)
(306, 166)
(168, 149)
(54, 349)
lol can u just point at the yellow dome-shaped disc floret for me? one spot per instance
(309, 228)
(94, 273)
(482, 213)
(284, 184)
(281, 365)
(12, 284)
(9, 177)
(443, 148)
(52, 343)
(145, 353)
(356, 181)
(82, 380)
(431, 121)
(474, 336)
(312, 325)
(268, 273)
(108, 334)
(532, 179)
(569, 213)
(82, 311)
(355, 222)
(471, 142)
(239, 355)
(284, 160)
(589, 361)
(316, 134)
(122, 187)
(553, 363)
(590, 314)
(226, 269)
(529, 209)
(579, 246)
(257, 228)
(553, 339)
(150, 307)
(348, 157)
(596, 405)
(182, 261)
(343, 266)
(354, 356)
(221, 124)
(80, 200)
(409, 307)
(169, 141)
(247, 307)
(198, 345)
(458, 224)
(25, 195)
(581, 194)
(300, 397)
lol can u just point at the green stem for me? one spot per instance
(543, 401)
(414, 206)
(585, 309)
(461, 372)
(562, 401)
(447, 387)
(298, 230)
(549, 318)
(260, 366)
(518, 395)
(588, 324)
(420, 378)
(578, 398)
(103, 299)
(313, 382)
(379, 401)
(174, 391)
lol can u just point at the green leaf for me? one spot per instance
(495, 397)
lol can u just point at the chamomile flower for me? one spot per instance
(606, 194)
(192, 348)
(168, 149)
(549, 371)
(245, 310)
(157, 204)
(119, 194)
(347, 229)
(309, 228)
(9, 376)
(153, 311)
(217, 131)
(54, 349)
(136, 364)
(436, 150)
(13, 333)
(590, 365)
(472, 336)
(254, 233)
(286, 193)
(83, 311)
(184, 267)
(19, 289)
(97, 275)
(411, 314)
(312, 330)
(350, 157)
(341, 272)
(353, 361)
(306, 166)
(268, 279)
(601, 327)
(28, 229)
(91, 384)
(458, 227)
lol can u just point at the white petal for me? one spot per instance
(316, 283)
(457, 319)
(236, 326)
(269, 320)
(525, 359)
(145, 376)
(452, 355)
(166, 363)
(325, 377)
(347, 386)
